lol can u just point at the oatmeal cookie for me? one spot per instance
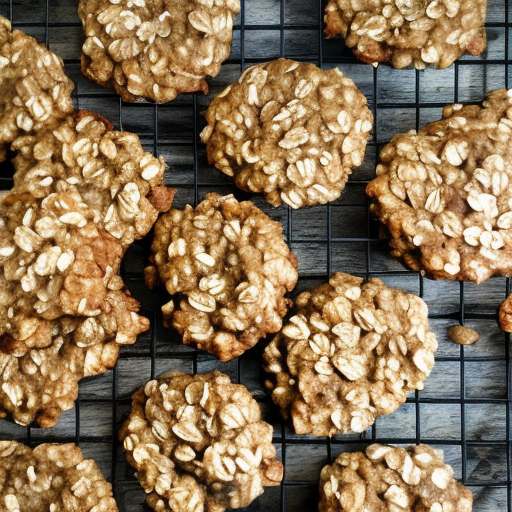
(228, 267)
(290, 131)
(34, 90)
(409, 32)
(414, 478)
(51, 477)
(443, 194)
(155, 49)
(198, 443)
(353, 351)
(82, 193)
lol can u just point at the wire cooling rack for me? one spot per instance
(465, 407)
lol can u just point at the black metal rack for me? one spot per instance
(466, 405)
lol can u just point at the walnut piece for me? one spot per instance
(353, 351)
(289, 131)
(391, 478)
(52, 477)
(228, 266)
(34, 90)
(80, 197)
(198, 443)
(409, 32)
(443, 193)
(462, 335)
(155, 49)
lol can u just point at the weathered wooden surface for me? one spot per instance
(463, 408)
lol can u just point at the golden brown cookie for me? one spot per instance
(34, 90)
(443, 194)
(228, 268)
(290, 131)
(409, 32)
(391, 478)
(198, 443)
(82, 193)
(52, 477)
(353, 351)
(155, 49)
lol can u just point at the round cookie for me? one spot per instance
(409, 32)
(443, 193)
(82, 193)
(228, 266)
(353, 351)
(34, 90)
(155, 49)
(290, 131)
(51, 477)
(198, 443)
(391, 478)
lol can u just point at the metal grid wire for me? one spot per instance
(465, 407)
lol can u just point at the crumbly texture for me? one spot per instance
(462, 335)
(228, 268)
(353, 351)
(34, 90)
(52, 477)
(394, 479)
(155, 49)
(290, 131)
(409, 32)
(443, 194)
(198, 443)
(82, 193)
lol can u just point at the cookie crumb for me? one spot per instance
(462, 335)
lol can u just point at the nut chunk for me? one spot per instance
(52, 477)
(289, 131)
(444, 195)
(389, 478)
(352, 352)
(34, 90)
(155, 49)
(198, 443)
(409, 32)
(82, 193)
(229, 267)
